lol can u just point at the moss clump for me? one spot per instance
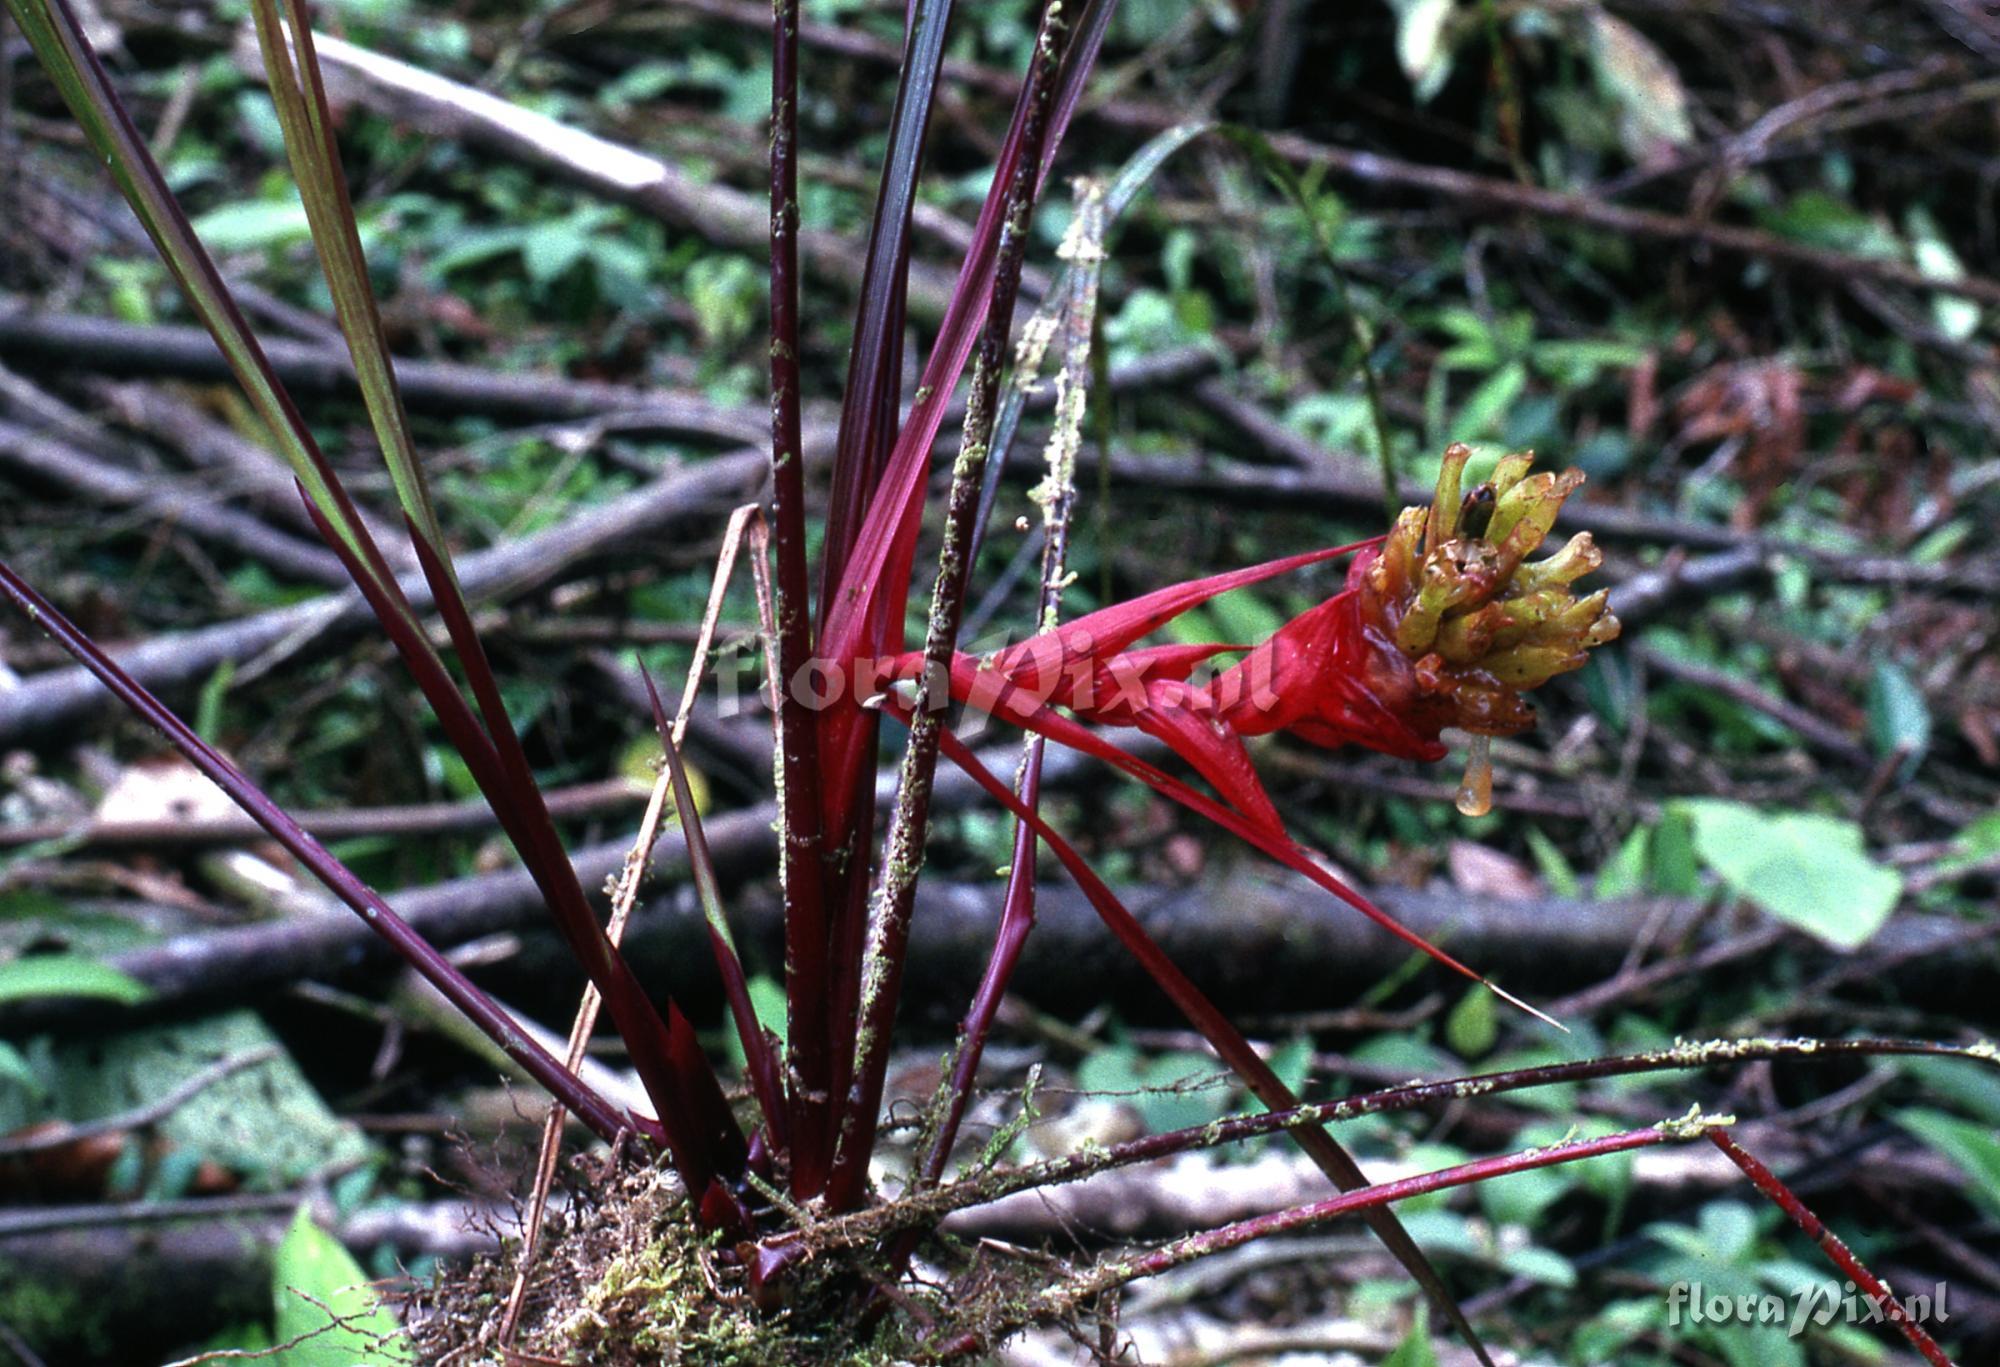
(622, 1278)
(42, 1313)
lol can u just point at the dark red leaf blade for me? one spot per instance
(1223, 1036)
(661, 1055)
(884, 546)
(762, 1063)
(802, 870)
(1038, 717)
(868, 406)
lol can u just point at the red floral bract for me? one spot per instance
(1442, 623)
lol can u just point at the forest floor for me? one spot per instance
(1739, 262)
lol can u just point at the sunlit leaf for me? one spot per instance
(1899, 720)
(1809, 871)
(323, 1299)
(1652, 102)
(1971, 1144)
(257, 225)
(66, 975)
(1423, 47)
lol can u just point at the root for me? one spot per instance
(622, 1278)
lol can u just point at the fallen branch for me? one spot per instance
(444, 108)
(1322, 480)
(178, 1271)
(225, 964)
(1490, 193)
(1821, 735)
(690, 496)
(62, 1134)
(422, 819)
(169, 502)
(242, 466)
(72, 342)
(1278, 950)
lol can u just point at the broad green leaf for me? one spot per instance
(767, 1003)
(1624, 873)
(550, 249)
(1972, 1086)
(1292, 1061)
(1899, 720)
(264, 1123)
(1552, 863)
(1244, 616)
(475, 248)
(1671, 864)
(1150, 21)
(1539, 1264)
(209, 705)
(1476, 347)
(1982, 836)
(1415, 1350)
(66, 975)
(239, 1338)
(1487, 405)
(1521, 1198)
(1808, 871)
(1578, 363)
(1728, 1229)
(1471, 1029)
(1183, 1091)
(1333, 420)
(1971, 1144)
(1820, 220)
(1172, 1092)
(319, 1290)
(256, 225)
(33, 905)
(1114, 1069)
(1604, 1337)
(724, 292)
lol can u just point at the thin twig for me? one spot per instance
(625, 894)
(1066, 1297)
(981, 1189)
(417, 819)
(1830, 1243)
(449, 109)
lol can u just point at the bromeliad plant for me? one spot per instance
(1443, 622)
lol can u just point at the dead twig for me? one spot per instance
(746, 520)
